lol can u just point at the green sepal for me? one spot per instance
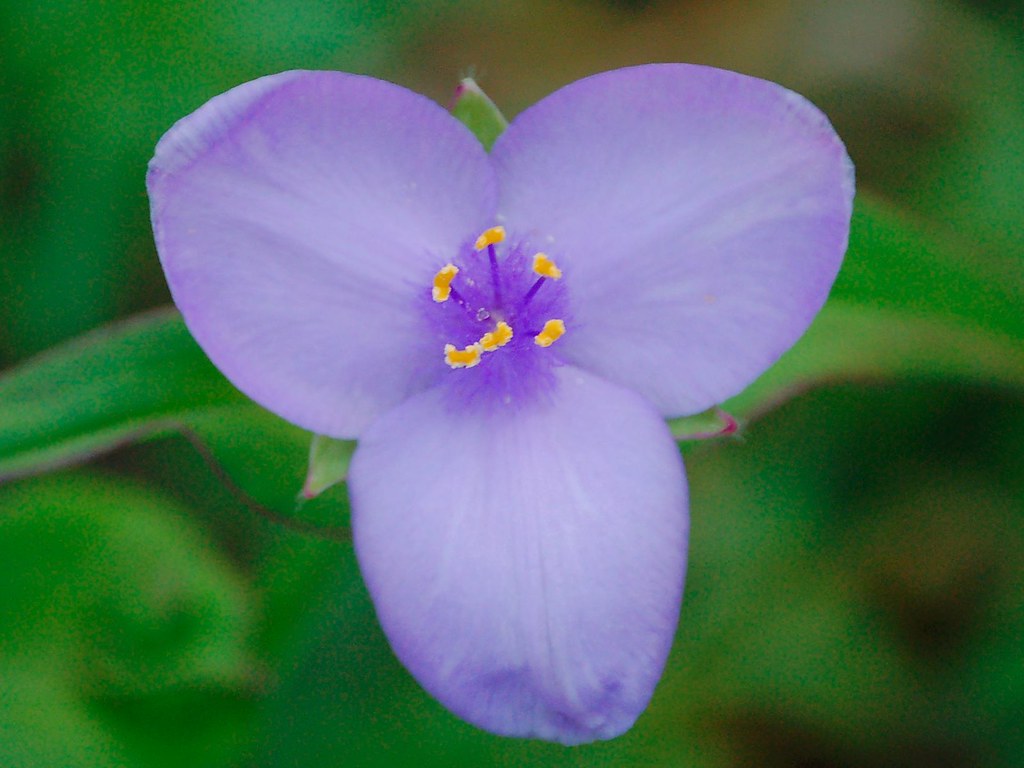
(714, 422)
(475, 110)
(328, 464)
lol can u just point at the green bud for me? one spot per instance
(474, 109)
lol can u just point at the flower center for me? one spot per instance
(497, 301)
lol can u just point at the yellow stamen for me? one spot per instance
(545, 267)
(499, 337)
(463, 358)
(552, 332)
(443, 282)
(491, 236)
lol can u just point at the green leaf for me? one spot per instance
(474, 109)
(328, 464)
(127, 381)
(850, 342)
(146, 378)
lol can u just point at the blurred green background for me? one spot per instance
(855, 594)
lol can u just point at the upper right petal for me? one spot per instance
(700, 216)
(297, 217)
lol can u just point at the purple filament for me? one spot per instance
(495, 276)
(458, 299)
(533, 291)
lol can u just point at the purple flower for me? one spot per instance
(505, 335)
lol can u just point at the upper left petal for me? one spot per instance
(296, 217)
(527, 566)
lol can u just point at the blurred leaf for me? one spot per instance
(474, 109)
(972, 181)
(895, 263)
(44, 723)
(125, 636)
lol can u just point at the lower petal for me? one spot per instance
(526, 564)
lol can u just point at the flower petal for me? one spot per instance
(701, 216)
(526, 565)
(297, 217)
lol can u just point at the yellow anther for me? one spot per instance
(443, 282)
(552, 332)
(545, 267)
(499, 337)
(463, 358)
(491, 236)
